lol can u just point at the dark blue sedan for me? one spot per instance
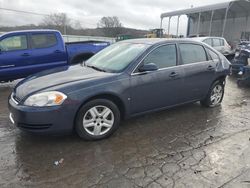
(127, 79)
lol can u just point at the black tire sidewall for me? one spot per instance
(104, 102)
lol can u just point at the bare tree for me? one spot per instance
(77, 25)
(111, 26)
(59, 21)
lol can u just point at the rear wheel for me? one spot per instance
(215, 95)
(97, 119)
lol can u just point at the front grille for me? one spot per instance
(34, 126)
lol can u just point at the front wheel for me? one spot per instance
(97, 119)
(215, 95)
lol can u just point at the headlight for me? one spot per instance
(50, 98)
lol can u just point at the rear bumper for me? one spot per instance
(46, 120)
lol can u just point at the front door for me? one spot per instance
(14, 56)
(157, 89)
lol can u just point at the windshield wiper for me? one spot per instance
(96, 68)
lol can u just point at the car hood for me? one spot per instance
(55, 77)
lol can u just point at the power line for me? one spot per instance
(38, 14)
(25, 12)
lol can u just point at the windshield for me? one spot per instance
(116, 57)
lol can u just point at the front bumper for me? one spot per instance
(48, 120)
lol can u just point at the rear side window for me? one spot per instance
(213, 56)
(14, 43)
(192, 53)
(216, 42)
(43, 40)
(208, 41)
(163, 56)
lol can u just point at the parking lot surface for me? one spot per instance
(188, 146)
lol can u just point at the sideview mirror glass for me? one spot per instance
(148, 67)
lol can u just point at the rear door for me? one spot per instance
(15, 55)
(48, 52)
(198, 70)
(161, 88)
(214, 61)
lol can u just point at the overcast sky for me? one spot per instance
(141, 14)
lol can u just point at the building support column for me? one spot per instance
(211, 22)
(169, 22)
(178, 21)
(246, 25)
(161, 26)
(198, 26)
(188, 26)
(225, 22)
(161, 23)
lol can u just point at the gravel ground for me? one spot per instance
(189, 146)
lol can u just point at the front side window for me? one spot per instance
(116, 57)
(192, 53)
(14, 43)
(216, 42)
(164, 56)
(43, 40)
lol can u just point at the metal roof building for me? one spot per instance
(230, 20)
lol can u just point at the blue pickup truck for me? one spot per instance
(23, 53)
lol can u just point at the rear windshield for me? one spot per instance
(116, 57)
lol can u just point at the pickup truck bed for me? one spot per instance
(90, 48)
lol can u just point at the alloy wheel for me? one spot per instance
(98, 120)
(216, 95)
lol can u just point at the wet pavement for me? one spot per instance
(189, 146)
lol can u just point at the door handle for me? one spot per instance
(57, 51)
(25, 54)
(173, 74)
(210, 68)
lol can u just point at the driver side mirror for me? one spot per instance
(148, 67)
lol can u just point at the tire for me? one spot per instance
(215, 95)
(97, 119)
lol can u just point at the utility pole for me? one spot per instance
(65, 29)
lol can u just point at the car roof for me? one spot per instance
(200, 39)
(152, 41)
(31, 31)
